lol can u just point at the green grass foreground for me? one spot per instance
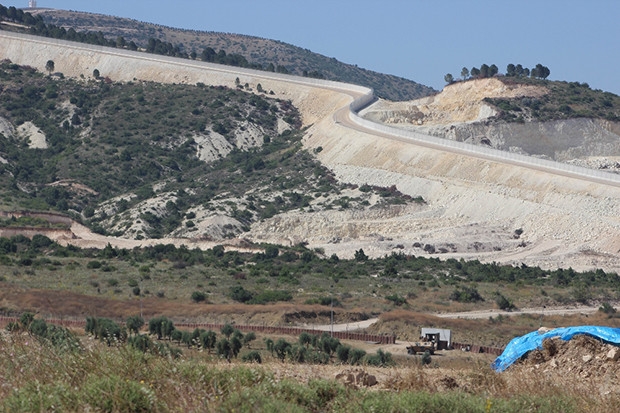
(36, 377)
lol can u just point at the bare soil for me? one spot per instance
(584, 357)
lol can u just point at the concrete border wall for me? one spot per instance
(10, 41)
(484, 152)
(18, 48)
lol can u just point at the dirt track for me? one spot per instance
(541, 311)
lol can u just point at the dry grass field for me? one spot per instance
(36, 377)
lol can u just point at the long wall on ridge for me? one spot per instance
(575, 221)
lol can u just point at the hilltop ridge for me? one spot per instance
(256, 50)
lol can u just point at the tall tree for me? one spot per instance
(464, 73)
(49, 66)
(510, 70)
(519, 71)
(484, 70)
(448, 78)
(540, 71)
(134, 324)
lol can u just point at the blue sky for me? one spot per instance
(421, 40)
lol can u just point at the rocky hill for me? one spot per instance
(485, 112)
(256, 50)
(473, 208)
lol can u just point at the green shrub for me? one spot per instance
(112, 393)
(198, 296)
(207, 340)
(271, 251)
(317, 357)
(38, 328)
(252, 357)
(342, 353)
(161, 327)
(426, 358)
(466, 295)
(26, 319)
(304, 339)
(503, 303)
(380, 359)
(134, 324)
(248, 338)
(106, 330)
(328, 344)
(325, 301)
(224, 349)
(396, 299)
(297, 353)
(227, 330)
(281, 348)
(141, 342)
(607, 308)
(356, 356)
(240, 294)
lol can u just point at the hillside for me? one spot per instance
(173, 158)
(207, 164)
(256, 50)
(565, 122)
(472, 206)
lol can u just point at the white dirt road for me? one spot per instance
(358, 325)
(540, 310)
(478, 314)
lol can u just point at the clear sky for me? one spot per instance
(421, 40)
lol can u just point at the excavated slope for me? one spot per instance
(459, 113)
(473, 206)
(458, 102)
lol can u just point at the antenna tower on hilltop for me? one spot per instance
(32, 4)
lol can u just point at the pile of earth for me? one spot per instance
(585, 358)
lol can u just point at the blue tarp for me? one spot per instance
(521, 345)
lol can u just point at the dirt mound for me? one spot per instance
(582, 357)
(458, 102)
